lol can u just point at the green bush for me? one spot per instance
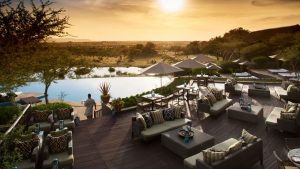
(230, 67)
(52, 106)
(8, 114)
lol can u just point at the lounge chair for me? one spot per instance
(275, 71)
(286, 93)
(242, 74)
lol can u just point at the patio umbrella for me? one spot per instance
(160, 68)
(246, 63)
(201, 58)
(189, 64)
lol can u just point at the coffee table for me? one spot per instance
(255, 91)
(175, 143)
(235, 112)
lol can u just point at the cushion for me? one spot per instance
(292, 88)
(289, 105)
(63, 114)
(206, 101)
(58, 142)
(178, 111)
(235, 147)
(217, 93)
(247, 137)
(157, 116)
(211, 98)
(285, 84)
(26, 143)
(148, 120)
(141, 120)
(233, 80)
(176, 123)
(41, 116)
(169, 114)
(288, 116)
(212, 156)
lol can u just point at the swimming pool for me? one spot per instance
(77, 89)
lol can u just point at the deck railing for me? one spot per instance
(22, 115)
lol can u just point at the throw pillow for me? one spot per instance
(169, 114)
(247, 137)
(212, 156)
(205, 100)
(41, 116)
(289, 105)
(179, 110)
(26, 144)
(211, 98)
(288, 116)
(235, 147)
(157, 117)
(141, 120)
(58, 144)
(292, 88)
(217, 93)
(148, 120)
(285, 84)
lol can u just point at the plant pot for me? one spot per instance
(105, 98)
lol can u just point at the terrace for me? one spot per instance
(106, 142)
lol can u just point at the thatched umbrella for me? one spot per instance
(161, 69)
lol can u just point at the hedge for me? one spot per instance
(52, 106)
(8, 114)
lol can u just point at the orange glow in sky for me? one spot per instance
(180, 20)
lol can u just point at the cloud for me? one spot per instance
(263, 3)
(109, 5)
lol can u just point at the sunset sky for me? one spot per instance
(174, 19)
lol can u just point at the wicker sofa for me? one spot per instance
(283, 92)
(244, 158)
(216, 109)
(274, 121)
(150, 133)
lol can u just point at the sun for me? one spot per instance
(171, 5)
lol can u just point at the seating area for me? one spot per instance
(122, 142)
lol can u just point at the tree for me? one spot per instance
(52, 64)
(193, 48)
(23, 29)
(292, 54)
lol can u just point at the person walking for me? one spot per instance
(89, 104)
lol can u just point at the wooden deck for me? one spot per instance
(106, 142)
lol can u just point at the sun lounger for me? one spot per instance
(242, 74)
(275, 71)
(288, 75)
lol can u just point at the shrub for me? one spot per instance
(230, 67)
(8, 114)
(52, 106)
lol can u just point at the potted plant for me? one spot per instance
(117, 104)
(104, 89)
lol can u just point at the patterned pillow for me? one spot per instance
(26, 144)
(289, 105)
(169, 114)
(63, 114)
(59, 143)
(235, 147)
(157, 117)
(141, 120)
(211, 98)
(217, 93)
(247, 137)
(179, 110)
(148, 120)
(41, 116)
(212, 156)
(205, 100)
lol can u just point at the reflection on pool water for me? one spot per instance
(77, 89)
(103, 71)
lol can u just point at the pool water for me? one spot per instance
(77, 89)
